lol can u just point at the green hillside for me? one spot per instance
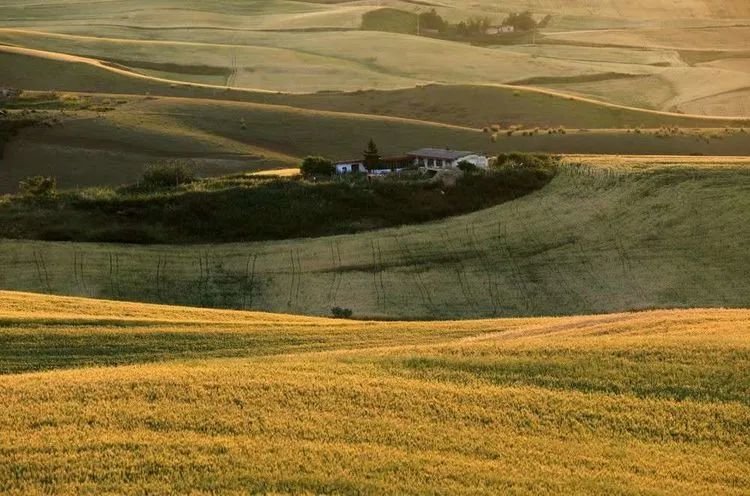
(593, 240)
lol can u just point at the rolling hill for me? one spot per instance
(613, 351)
(599, 238)
(107, 135)
(462, 105)
(307, 47)
(164, 399)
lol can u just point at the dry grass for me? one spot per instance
(306, 47)
(94, 148)
(162, 401)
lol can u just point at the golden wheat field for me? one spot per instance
(150, 347)
(119, 398)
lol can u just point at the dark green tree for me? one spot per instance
(171, 173)
(372, 156)
(432, 20)
(521, 22)
(317, 167)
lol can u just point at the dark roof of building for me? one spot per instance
(400, 158)
(440, 153)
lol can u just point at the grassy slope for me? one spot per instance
(234, 402)
(594, 240)
(308, 62)
(262, 45)
(465, 105)
(112, 148)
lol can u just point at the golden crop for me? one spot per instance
(121, 398)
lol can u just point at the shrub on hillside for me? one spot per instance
(317, 167)
(167, 174)
(529, 160)
(38, 187)
(467, 167)
(341, 313)
(390, 20)
(251, 208)
(526, 171)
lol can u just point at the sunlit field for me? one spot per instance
(153, 399)
(199, 296)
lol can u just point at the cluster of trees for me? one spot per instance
(474, 26)
(477, 26)
(432, 20)
(523, 21)
(401, 21)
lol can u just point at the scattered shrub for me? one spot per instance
(167, 174)
(528, 160)
(38, 187)
(467, 167)
(341, 313)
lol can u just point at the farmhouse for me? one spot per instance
(386, 165)
(440, 158)
(430, 159)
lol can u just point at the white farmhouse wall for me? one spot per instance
(349, 167)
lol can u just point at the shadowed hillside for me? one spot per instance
(593, 240)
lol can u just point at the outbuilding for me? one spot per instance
(350, 167)
(440, 158)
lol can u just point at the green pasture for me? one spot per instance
(594, 240)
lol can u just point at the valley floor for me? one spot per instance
(103, 397)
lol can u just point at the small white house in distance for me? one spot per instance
(440, 158)
(350, 166)
(495, 30)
